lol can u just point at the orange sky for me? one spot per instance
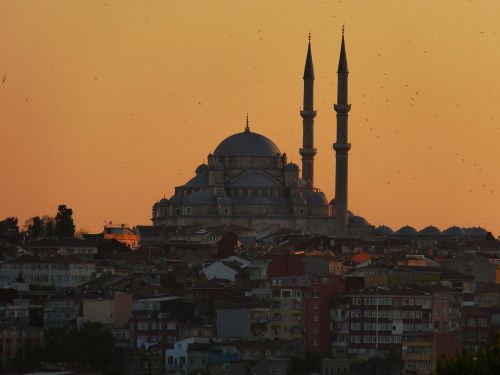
(107, 105)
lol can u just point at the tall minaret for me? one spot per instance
(341, 147)
(308, 114)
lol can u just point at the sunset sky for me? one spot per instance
(107, 105)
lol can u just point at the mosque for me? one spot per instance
(249, 181)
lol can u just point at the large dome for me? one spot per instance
(247, 143)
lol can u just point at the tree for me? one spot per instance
(34, 228)
(49, 230)
(91, 346)
(486, 362)
(64, 227)
(39, 227)
(9, 230)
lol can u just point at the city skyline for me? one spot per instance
(132, 106)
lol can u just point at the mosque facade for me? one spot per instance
(248, 181)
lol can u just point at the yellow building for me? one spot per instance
(418, 354)
(122, 234)
(287, 315)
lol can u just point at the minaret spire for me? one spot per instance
(247, 127)
(343, 58)
(341, 146)
(308, 114)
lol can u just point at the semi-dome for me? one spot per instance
(292, 167)
(431, 230)
(247, 143)
(202, 197)
(384, 230)
(176, 199)
(252, 179)
(406, 231)
(315, 198)
(454, 231)
(199, 180)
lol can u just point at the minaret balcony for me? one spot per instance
(342, 107)
(341, 147)
(308, 114)
(307, 151)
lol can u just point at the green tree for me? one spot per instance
(49, 230)
(34, 228)
(92, 346)
(64, 227)
(9, 230)
(486, 362)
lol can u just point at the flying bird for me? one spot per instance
(3, 79)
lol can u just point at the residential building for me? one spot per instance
(123, 234)
(114, 311)
(59, 271)
(372, 321)
(301, 293)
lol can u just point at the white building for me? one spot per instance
(220, 270)
(177, 358)
(59, 271)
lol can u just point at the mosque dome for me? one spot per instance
(163, 202)
(202, 197)
(202, 168)
(384, 230)
(357, 220)
(431, 230)
(454, 231)
(406, 231)
(247, 143)
(292, 167)
(315, 198)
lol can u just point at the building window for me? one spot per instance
(315, 306)
(226, 211)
